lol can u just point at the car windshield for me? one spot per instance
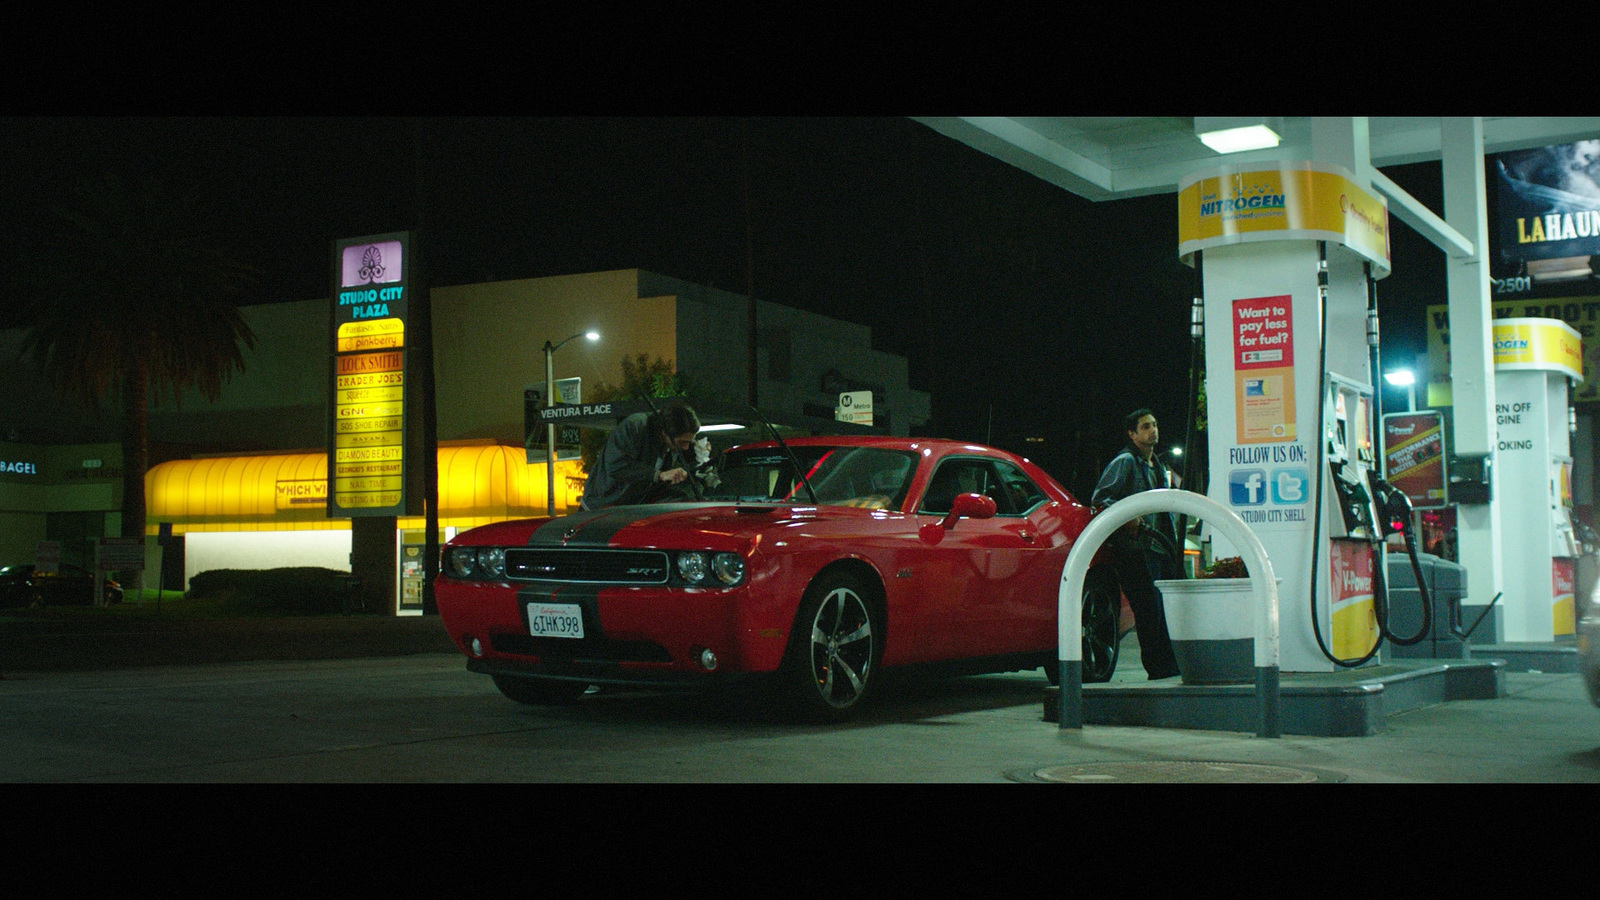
(868, 477)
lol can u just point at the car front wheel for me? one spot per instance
(834, 649)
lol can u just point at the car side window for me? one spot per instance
(964, 476)
(1022, 495)
(1013, 492)
(954, 476)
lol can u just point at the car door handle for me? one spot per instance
(1026, 536)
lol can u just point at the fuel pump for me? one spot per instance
(1291, 248)
(1288, 387)
(1350, 519)
(1362, 511)
(1536, 362)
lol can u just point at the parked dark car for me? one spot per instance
(68, 586)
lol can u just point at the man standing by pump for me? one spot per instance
(1137, 553)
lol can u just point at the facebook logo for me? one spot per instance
(1247, 487)
(1290, 486)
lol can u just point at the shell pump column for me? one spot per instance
(1287, 249)
(1535, 361)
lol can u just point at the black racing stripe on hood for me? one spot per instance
(596, 528)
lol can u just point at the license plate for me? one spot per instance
(562, 620)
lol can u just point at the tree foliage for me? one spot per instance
(135, 298)
(135, 286)
(641, 376)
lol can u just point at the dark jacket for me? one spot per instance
(624, 473)
(1129, 474)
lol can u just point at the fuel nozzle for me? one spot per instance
(1394, 507)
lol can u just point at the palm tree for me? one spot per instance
(134, 300)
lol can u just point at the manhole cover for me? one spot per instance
(1174, 772)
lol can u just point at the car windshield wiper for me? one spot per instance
(799, 470)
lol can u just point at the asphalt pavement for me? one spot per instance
(79, 641)
(398, 702)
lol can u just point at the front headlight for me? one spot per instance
(728, 567)
(493, 561)
(697, 567)
(475, 562)
(460, 561)
(692, 567)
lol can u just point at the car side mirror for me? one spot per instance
(969, 506)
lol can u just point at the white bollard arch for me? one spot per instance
(1264, 586)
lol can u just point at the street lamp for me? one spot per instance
(550, 427)
(1406, 379)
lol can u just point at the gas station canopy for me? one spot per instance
(1289, 373)
(1116, 157)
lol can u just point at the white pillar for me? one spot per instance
(1471, 353)
(1343, 141)
(1275, 355)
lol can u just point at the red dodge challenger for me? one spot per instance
(814, 565)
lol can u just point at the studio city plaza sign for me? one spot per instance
(367, 427)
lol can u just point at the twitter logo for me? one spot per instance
(1291, 485)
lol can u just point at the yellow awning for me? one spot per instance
(478, 484)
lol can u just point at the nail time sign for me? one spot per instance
(367, 422)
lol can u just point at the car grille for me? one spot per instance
(594, 566)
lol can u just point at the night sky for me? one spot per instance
(1010, 297)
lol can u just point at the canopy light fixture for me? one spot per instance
(1237, 134)
(725, 426)
(1400, 378)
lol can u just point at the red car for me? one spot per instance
(889, 552)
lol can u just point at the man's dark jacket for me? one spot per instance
(625, 471)
(1129, 474)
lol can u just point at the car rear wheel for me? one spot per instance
(834, 648)
(538, 692)
(1102, 611)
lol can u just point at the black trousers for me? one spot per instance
(1137, 565)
